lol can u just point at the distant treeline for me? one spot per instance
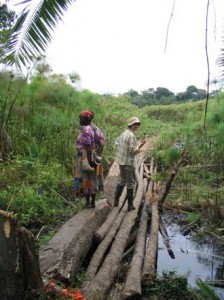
(163, 96)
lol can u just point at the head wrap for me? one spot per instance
(85, 113)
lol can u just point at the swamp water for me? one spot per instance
(192, 258)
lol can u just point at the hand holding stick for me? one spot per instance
(142, 143)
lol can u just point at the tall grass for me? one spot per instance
(41, 119)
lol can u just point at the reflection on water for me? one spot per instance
(191, 258)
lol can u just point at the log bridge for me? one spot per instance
(94, 241)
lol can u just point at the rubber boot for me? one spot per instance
(118, 193)
(93, 205)
(87, 205)
(130, 196)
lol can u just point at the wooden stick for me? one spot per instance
(165, 236)
(171, 178)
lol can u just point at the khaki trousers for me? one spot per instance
(127, 176)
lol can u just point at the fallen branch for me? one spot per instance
(128, 251)
(166, 240)
(65, 200)
(171, 178)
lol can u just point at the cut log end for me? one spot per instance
(132, 294)
(148, 277)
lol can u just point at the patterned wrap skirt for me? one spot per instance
(87, 183)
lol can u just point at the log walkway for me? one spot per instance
(108, 233)
(96, 240)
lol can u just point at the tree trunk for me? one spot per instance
(149, 267)
(64, 254)
(104, 245)
(105, 227)
(18, 260)
(111, 182)
(133, 280)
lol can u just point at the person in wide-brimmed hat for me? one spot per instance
(88, 178)
(126, 157)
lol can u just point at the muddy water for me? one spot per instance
(192, 258)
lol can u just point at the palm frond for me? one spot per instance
(206, 290)
(32, 32)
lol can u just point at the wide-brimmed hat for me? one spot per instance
(133, 120)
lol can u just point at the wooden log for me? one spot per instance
(99, 254)
(152, 165)
(146, 175)
(62, 257)
(18, 260)
(146, 170)
(149, 266)
(104, 279)
(111, 182)
(105, 227)
(146, 185)
(133, 279)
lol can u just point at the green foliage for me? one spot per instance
(169, 287)
(162, 96)
(7, 17)
(30, 191)
(40, 117)
(173, 155)
(169, 156)
(53, 91)
(193, 216)
(207, 292)
(36, 22)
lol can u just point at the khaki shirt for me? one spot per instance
(127, 148)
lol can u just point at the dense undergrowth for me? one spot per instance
(38, 127)
(39, 124)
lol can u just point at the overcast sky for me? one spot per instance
(117, 45)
